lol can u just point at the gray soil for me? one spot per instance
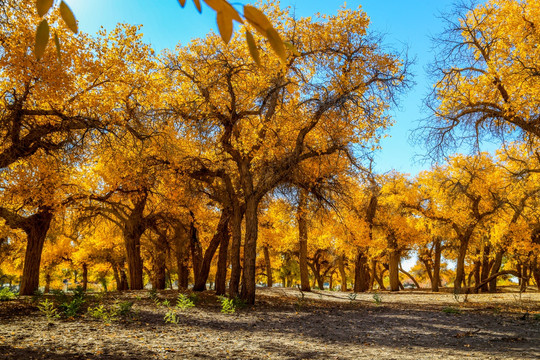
(285, 325)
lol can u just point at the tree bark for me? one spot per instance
(85, 276)
(436, 266)
(342, 272)
(222, 231)
(36, 228)
(182, 255)
(302, 239)
(484, 273)
(236, 233)
(196, 250)
(393, 262)
(268, 264)
(460, 267)
(250, 251)
(158, 263)
(495, 269)
(221, 272)
(361, 272)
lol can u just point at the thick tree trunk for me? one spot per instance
(221, 272)
(393, 269)
(486, 266)
(436, 266)
(132, 240)
(250, 251)
(494, 270)
(36, 228)
(222, 232)
(84, 276)
(342, 272)
(182, 255)
(268, 265)
(361, 272)
(301, 213)
(158, 264)
(236, 233)
(123, 280)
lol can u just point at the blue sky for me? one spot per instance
(406, 23)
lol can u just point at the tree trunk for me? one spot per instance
(221, 272)
(36, 228)
(460, 267)
(302, 239)
(182, 255)
(410, 277)
(84, 276)
(158, 264)
(536, 272)
(196, 250)
(268, 264)
(436, 266)
(250, 251)
(495, 269)
(222, 231)
(123, 280)
(47, 283)
(342, 272)
(361, 272)
(393, 269)
(116, 276)
(484, 272)
(236, 268)
(132, 240)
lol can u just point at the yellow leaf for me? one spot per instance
(256, 18)
(42, 38)
(252, 46)
(182, 3)
(68, 17)
(225, 26)
(198, 5)
(276, 43)
(57, 44)
(223, 5)
(292, 48)
(43, 6)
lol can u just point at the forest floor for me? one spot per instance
(286, 325)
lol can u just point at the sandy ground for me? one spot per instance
(285, 325)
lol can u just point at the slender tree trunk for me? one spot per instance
(221, 272)
(486, 266)
(268, 265)
(536, 272)
(436, 266)
(476, 273)
(494, 270)
(182, 256)
(123, 280)
(460, 267)
(302, 239)
(410, 277)
(393, 262)
(361, 272)
(250, 251)
(236, 268)
(85, 276)
(342, 272)
(116, 276)
(47, 283)
(222, 231)
(36, 228)
(196, 251)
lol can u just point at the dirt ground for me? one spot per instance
(285, 325)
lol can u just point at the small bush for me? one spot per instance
(352, 296)
(451, 310)
(536, 316)
(6, 294)
(72, 307)
(124, 308)
(102, 313)
(48, 309)
(183, 302)
(230, 306)
(377, 298)
(171, 316)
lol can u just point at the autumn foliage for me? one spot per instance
(242, 159)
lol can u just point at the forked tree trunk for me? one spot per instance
(222, 231)
(302, 239)
(268, 265)
(494, 270)
(36, 228)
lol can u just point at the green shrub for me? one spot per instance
(183, 302)
(124, 308)
(6, 294)
(48, 309)
(102, 313)
(171, 316)
(72, 307)
(451, 310)
(352, 296)
(377, 298)
(229, 306)
(536, 316)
